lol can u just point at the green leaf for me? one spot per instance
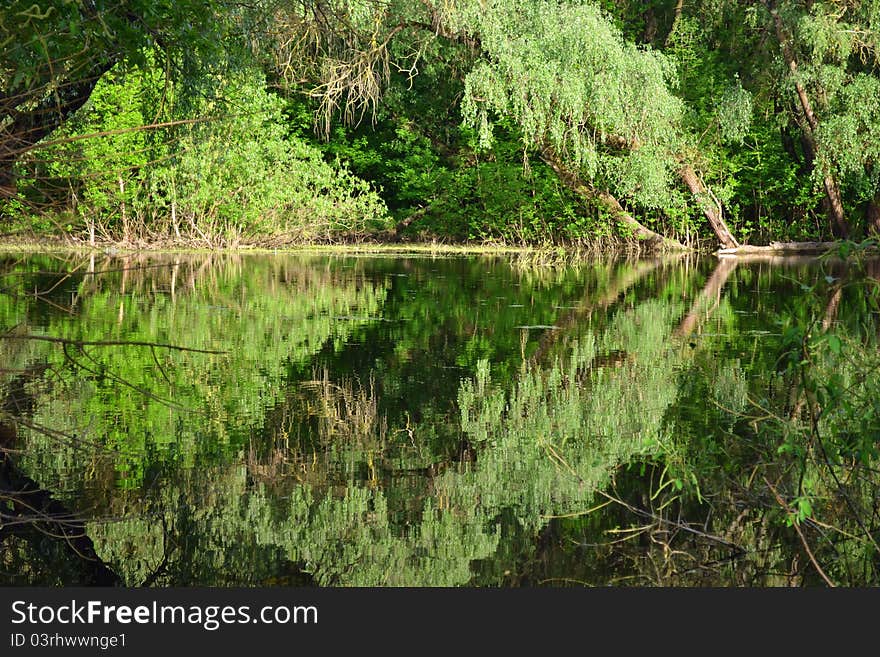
(834, 344)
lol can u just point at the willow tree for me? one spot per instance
(596, 108)
(810, 71)
(833, 52)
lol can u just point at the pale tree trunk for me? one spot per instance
(88, 218)
(122, 209)
(833, 203)
(174, 221)
(645, 235)
(710, 206)
(707, 201)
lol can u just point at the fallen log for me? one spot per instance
(775, 248)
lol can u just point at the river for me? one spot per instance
(437, 420)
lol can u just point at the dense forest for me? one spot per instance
(653, 122)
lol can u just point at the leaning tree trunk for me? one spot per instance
(642, 233)
(645, 235)
(711, 208)
(833, 203)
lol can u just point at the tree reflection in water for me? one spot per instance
(438, 422)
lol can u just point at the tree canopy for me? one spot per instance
(760, 117)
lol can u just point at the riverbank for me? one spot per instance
(596, 249)
(373, 244)
(381, 241)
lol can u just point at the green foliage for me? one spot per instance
(100, 174)
(803, 433)
(767, 193)
(410, 96)
(189, 396)
(363, 427)
(570, 81)
(850, 137)
(234, 175)
(835, 53)
(450, 191)
(242, 177)
(54, 53)
(735, 114)
(557, 434)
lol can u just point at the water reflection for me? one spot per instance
(330, 420)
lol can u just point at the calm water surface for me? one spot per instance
(435, 421)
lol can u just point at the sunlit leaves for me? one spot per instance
(735, 113)
(564, 73)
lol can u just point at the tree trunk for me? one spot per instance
(708, 203)
(122, 211)
(711, 208)
(839, 225)
(834, 205)
(780, 248)
(645, 235)
(650, 26)
(676, 19)
(873, 215)
(174, 221)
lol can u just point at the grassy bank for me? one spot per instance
(378, 243)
